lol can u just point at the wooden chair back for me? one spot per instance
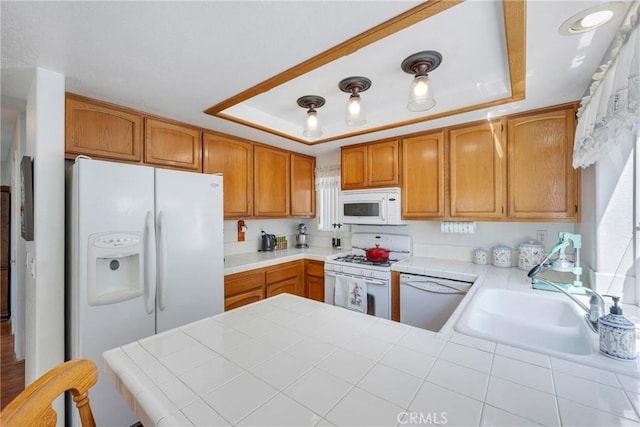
(32, 407)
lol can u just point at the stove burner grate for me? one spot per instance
(362, 260)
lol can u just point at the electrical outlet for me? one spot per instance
(541, 236)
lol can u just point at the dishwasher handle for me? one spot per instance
(433, 287)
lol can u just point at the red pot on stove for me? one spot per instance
(377, 254)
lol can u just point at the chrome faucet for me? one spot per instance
(596, 303)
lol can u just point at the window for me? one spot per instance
(328, 190)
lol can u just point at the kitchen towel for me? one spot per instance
(340, 291)
(357, 297)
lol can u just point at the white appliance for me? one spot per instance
(428, 302)
(144, 255)
(375, 275)
(379, 206)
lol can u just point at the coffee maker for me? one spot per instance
(302, 238)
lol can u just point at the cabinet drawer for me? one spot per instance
(283, 272)
(288, 286)
(242, 282)
(315, 269)
(242, 299)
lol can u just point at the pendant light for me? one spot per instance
(421, 90)
(312, 128)
(354, 114)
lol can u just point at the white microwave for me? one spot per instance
(379, 206)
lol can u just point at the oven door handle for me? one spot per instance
(433, 287)
(368, 280)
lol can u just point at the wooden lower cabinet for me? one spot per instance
(244, 298)
(253, 285)
(314, 280)
(286, 277)
(395, 296)
(243, 288)
(286, 286)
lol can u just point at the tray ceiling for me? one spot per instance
(485, 69)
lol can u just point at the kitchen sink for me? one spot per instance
(548, 323)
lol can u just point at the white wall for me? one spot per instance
(608, 197)
(44, 284)
(286, 227)
(430, 241)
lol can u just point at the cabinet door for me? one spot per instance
(289, 286)
(423, 176)
(477, 169)
(382, 164)
(542, 182)
(303, 191)
(101, 130)
(315, 288)
(314, 280)
(171, 145)
(354, 167)
(233, 158)
(271, 186)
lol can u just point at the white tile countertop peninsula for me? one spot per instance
(238, 263)
(288, 360)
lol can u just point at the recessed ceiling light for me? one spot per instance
(591, 18)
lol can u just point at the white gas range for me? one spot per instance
(376, 276)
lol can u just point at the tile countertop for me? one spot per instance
(288, 360)
(238, 263)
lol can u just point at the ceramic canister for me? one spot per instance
(481, 256)
(501, 256)
(530, 254)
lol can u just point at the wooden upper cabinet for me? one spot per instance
(101, 130)
(542, 182)
(383, 163)
(303, 192)
(234, 159)
(354, 167)
(172, 145)
(371, 165)
(477, 171)
(423, 176)
(271, 197)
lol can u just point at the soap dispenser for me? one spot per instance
(617, 334)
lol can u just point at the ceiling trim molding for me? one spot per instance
(514, 14)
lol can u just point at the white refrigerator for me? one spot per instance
(144, 255)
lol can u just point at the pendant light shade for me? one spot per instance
(421, 94)
(421, 91)
(354, 113)
(312, 128)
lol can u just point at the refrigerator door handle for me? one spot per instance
(162, 257)
(149, 267)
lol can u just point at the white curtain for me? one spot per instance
(327, 192)
(610, 110)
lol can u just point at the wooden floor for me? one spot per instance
(11, 370)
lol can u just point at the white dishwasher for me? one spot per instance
(428, 302)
